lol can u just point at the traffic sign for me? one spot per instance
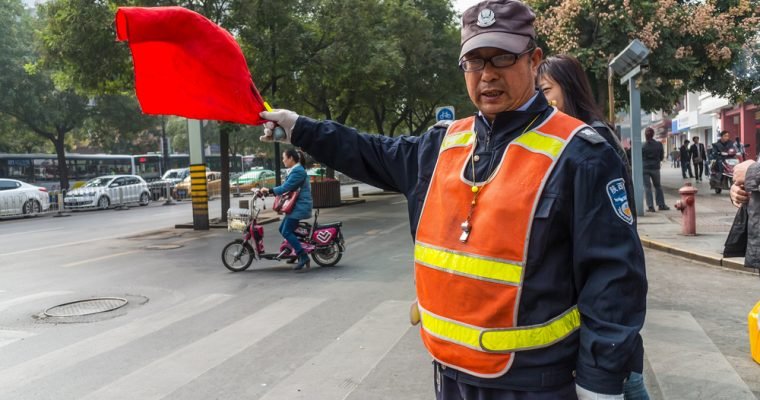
(445, 113)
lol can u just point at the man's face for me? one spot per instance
(494, 90)
(724, 138)
(696, 140)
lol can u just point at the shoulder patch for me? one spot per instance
(591, 135)
(619, 200)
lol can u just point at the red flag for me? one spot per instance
(188, 66)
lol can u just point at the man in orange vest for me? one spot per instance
(529, 271)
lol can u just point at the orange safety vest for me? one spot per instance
(468, 293)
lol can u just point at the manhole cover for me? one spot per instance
(86, 307)
(163, 246)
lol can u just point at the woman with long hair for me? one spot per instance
(297, 180)
(566, 87)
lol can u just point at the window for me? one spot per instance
(9, 185)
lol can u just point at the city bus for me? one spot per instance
(42, 169)
(213, 162)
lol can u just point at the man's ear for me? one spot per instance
(535, 59)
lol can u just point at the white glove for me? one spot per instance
(280, 127)
(584, 394)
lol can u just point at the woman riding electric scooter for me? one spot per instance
(297, 179)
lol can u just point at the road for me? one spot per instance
(193, 330)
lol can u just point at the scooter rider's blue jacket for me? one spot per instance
(583, 248)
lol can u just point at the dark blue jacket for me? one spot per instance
(297, 178)
(581, 251)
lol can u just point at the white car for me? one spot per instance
(20, 198)
(176, 175)
(106, 191)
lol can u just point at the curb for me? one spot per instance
(263, 221)
(718, 261)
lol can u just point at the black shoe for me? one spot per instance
(651, 209)
(663, 208)
(303, 261)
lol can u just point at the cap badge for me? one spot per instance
(486, 18)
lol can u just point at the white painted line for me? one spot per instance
(356, 240)
(340, 367)
(37, 231)
(55, 246)
(399, 202)
(8, 337)
(18, 300)
(164, 376)
(65, 357)
(89, 260)
(686, 363)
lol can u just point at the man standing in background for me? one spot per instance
(685, 159)
(652, 155)
(698, 156)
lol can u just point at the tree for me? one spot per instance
(693, 43)
(17, 138)
(29, 95)
(116, 125)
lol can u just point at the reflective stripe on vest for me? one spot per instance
(468, 293)
(462, 264)
(503, 340)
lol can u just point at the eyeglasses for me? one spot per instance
(500, 61)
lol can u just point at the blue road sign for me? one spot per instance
(444, 113)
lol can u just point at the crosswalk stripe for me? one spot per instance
(18, 375)
(162, 377)
(686, 363)
(18, 300)
(340, 367)
(8, 337)
(89, 260)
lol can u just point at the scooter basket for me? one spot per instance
(238, 219)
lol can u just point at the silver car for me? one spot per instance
(110, 190)
(20, 198)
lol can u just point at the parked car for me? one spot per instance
(21, 198)
(213, 185)
(109, 190)
(255, 178)
(176, 175)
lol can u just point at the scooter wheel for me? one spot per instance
(327, 256)
(237, 255)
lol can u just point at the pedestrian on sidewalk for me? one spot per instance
(685, 159)
(698, 156)
(674, 156)
(746, 190)
(652, 156)
(505, 316)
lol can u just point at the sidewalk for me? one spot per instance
(715, 214)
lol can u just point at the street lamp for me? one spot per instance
(628, 64)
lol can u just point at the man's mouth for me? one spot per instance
(491, 94)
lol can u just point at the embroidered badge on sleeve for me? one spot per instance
(619, 199)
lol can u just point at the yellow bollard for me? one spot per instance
(754, 332)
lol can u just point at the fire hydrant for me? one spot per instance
(687, 206)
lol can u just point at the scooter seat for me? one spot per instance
(330, 225)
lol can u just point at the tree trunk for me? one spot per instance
(602, 97)
(224, 147)
(63, 168)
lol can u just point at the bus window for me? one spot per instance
(18, 168)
